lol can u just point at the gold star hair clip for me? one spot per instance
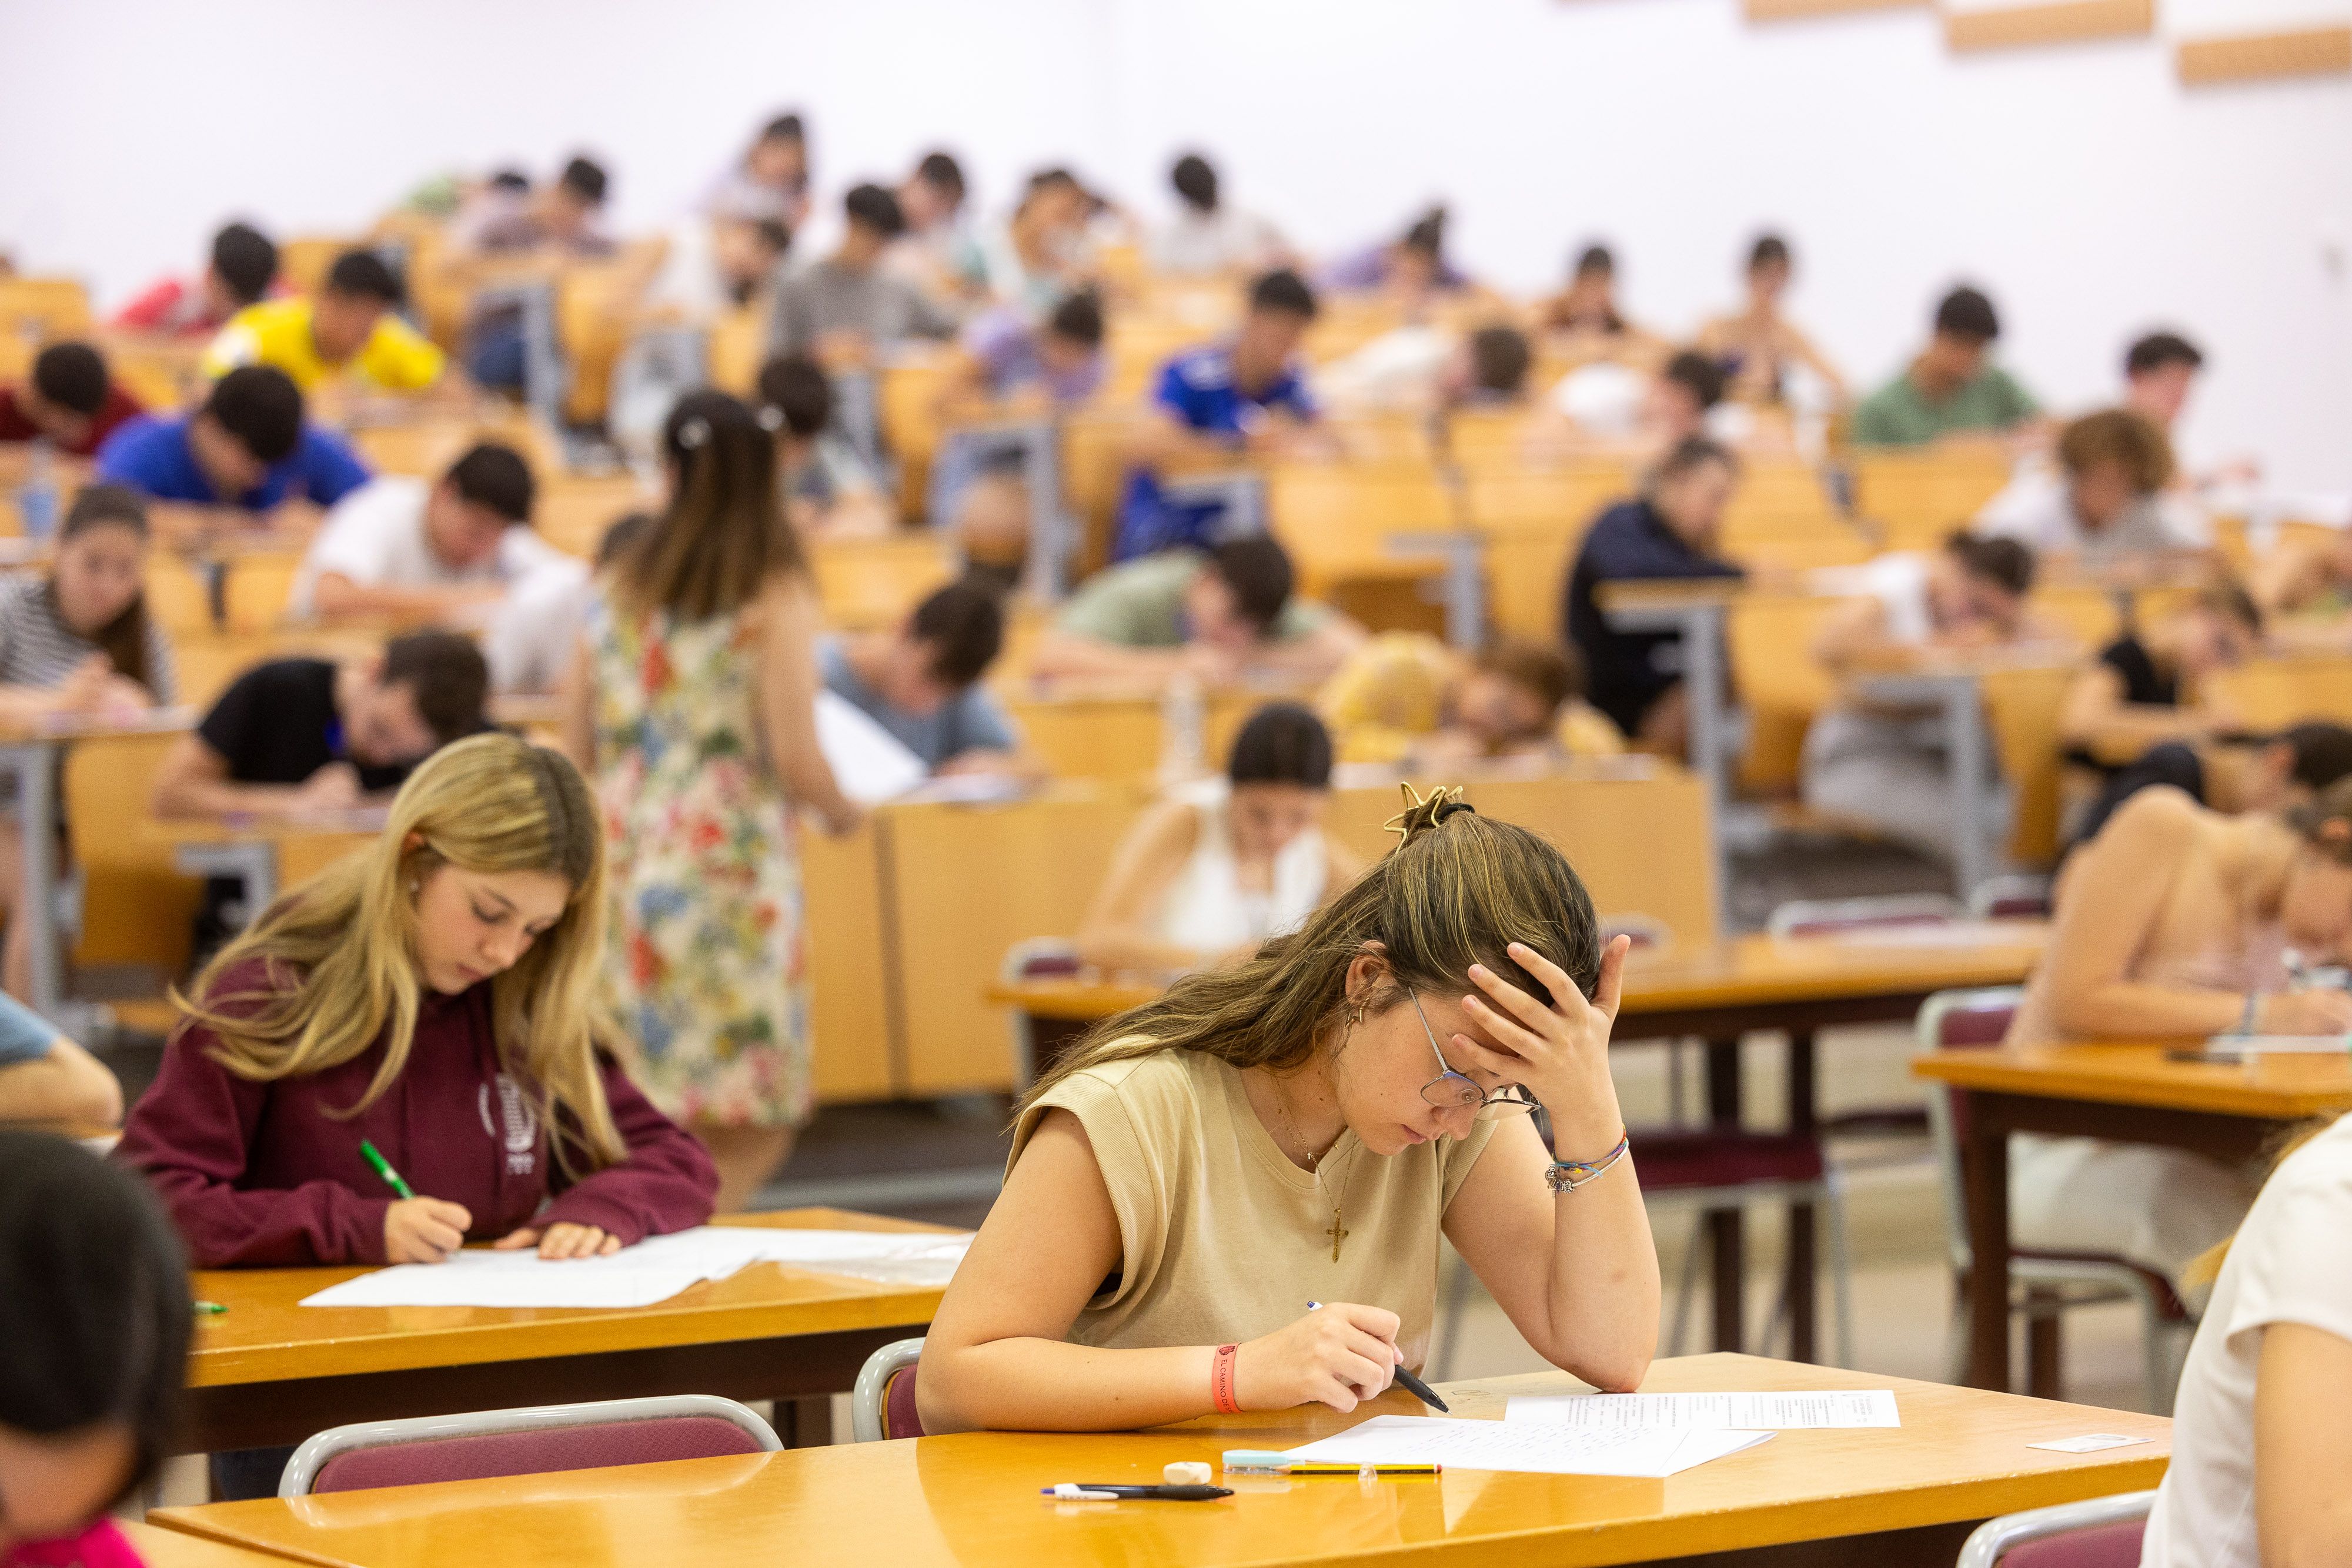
(1401, 824)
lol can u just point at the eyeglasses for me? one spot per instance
(1453, 1090)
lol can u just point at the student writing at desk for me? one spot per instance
(246, 449)
(1302, 1127)
(1759, 348)
(45, 1077)
(2104, 503)
(2176, 922)
(69, 402)
(76, 639)
(1215, 615)
(826, 486)
(238, 271)
(348, 331)
(432, 995)
(1952, 388)
(94, 1330)
(2149, 687)
(2231, 773)
(1582, 321)
(1223, 863)
(921, 682)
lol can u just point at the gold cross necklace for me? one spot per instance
(1338, 1232)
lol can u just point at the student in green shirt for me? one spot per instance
(1949, 389)
(1215, 614)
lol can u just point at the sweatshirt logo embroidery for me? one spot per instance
(520, 1121)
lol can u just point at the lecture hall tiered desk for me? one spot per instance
(270, 1371)
(1715, 992)
(2126, 1093)
(1823, 1499)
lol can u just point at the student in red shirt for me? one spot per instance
(70, 400)
(244, 264)
(430, 995)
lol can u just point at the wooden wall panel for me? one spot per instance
(2315, 51)
(2055, 22)
(1797, 10)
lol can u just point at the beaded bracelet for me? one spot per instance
(1567, 1175)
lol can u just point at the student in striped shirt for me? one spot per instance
(76, 639)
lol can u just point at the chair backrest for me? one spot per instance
(2011, 898)
(531, 1441)
(1949, 1020)
(1645, 931)
(2101, 1533)
(1036, 959)
(1825, 916)
(882, 1402)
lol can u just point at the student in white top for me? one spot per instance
(2262, 1429)
(1225, 862)
(1209, 237)
(2104, 501)
(461, 552)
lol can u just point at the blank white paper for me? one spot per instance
(1541, 1448)
(1788, 1411)
(869, 763)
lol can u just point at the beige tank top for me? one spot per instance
(1222, 1237)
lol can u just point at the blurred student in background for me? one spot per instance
(45, 1077)
(1410, 270)
(1243, 395)
(2153, 686)
(1209, 235)
(241, 268)
(846, 308)
(2103, 504)
(922, 682)
(69, 401)
(1758, 348)
(2230, 773)
(939, 253)
(1583, 323)
(349, 330)
(1423, 368)
(826, 486)
(1670, 531)
(1952, 388)
(564, 221)
(1406, 697)
(712, 267)
(1214, 615)
(248, 449)
(1039, 254)
(1222, 864)
(691, 703)
(771, 180)
(1614, 409)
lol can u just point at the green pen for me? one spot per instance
(382, 1168)
(209, 1309)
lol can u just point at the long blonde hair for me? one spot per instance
(1457, 890)
(346, 941)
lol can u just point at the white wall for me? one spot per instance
(2083, 186)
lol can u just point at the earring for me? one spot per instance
(416, 886)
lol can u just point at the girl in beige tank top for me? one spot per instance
(1306, 1127)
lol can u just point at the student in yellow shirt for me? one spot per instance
(347, 330)
(1405, 696)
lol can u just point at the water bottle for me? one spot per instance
(1183, 731)
(37, 502)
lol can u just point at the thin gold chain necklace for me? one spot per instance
(1339, 1232)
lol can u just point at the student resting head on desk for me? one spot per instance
(1301, 1127)
(1405, 696)
(2176, 922)
(430, 995)
(69, 402)
(2147, 687)
(94, 1327)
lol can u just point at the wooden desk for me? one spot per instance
(1716, 992)
(265, 852)
(2129, 1094)
(271, 1371)
(1881, 1497)
(161, 1548)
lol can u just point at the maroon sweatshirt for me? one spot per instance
(270, 1173)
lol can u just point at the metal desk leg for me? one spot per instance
(1803, 1282)
(1053, 535)
(1725, 1230)
(34, 763)
(1702, 630)
(254, 863)
(1966, 745)
(1986, 1160)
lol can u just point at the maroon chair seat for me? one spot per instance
(899, 1417)
(538, 1451)
(1671, 1158)
(2104, 1546)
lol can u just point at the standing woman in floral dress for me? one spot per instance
(691, 702)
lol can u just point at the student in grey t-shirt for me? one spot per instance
(850, 296)
(921, 683)
(45, 1077)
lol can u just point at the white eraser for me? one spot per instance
(1188, 1473)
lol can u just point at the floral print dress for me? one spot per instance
(707, 962)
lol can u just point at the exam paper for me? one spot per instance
(653, 1271)
(1793, 1410)
(869, 763)
(1542, 1448)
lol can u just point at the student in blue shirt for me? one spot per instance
(921, 683)
(248, 447)
(1215, 401)
(45, 1077)
(1669, 531)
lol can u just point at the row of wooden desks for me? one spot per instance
(1880, 1495)
(1715, 993)
(270, 1371)
(2128, 1094)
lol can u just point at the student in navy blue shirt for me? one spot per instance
(248, 447)
(1635, 677)
(1224, 399)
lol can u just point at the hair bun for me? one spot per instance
(1425, 813)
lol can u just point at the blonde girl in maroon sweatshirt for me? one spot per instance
(430, 995)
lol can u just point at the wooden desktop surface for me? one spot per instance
(1743, 971)
(267, 1336)
(161, 1548)
(1959, 1456)
(2271, 1088)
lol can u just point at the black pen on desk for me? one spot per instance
(1090, 1491)
(1412, 1386)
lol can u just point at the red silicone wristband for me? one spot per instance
(1221, 1380)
